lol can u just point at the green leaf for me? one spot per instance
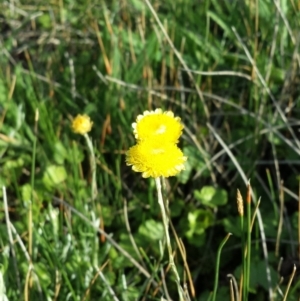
(258, 275)
(2, 288)
(177, 207)
(12, 164)
(118, 262)
(60, 153)
(45, 21)
(54, 175)
(232, 225)
(152, 230)
(220, 22)
(26, 191)
(211, 196)
(198, 221)
(223, 294)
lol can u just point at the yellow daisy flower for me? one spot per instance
(158, 124)
(82, 124)
(154, 159)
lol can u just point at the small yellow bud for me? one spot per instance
(82, 124)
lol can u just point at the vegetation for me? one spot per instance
(229, 70)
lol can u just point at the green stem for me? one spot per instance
(218, 265)
(244, 264)
(93, 166)
(94, 193)
(165, 220)
(32, 180)
(248, 262)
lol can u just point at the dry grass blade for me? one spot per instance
(163, 279)
(186, 266)
(234, 290)
(106, 282)
(280, 223)
(130, 234)
(286, 23)
(87, 292)
(222, 73)
(289, 283)
(277, 288)
(254, 214)
(231, 291)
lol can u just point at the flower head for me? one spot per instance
(154, 159)
(82, 124)
(158, 124)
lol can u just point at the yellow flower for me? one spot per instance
(158, 124)
(155, 159)
(82, 124)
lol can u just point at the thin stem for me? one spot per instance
(299, 223)
(218, 265)
(93, 166)
(235, 287)
(240, 207)
(135, 247)
(180, 245)
(94, 190)
(165, 220)
(248, 229)
(254, 214)
(32, 183)
(107, 284)
(280, 223)
(290, 282)
(94, 193)
(243, 260)
(231, 291)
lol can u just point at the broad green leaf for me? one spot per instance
(233, 225)
(198, 221)
(152, 230)
(258, 275)
(177, 207)
(60, 152)
(45, 21)
(26, 191)
(211, 196)
(54, 175)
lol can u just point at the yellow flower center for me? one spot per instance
(161, 129)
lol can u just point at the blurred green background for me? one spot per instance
(228, 69)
